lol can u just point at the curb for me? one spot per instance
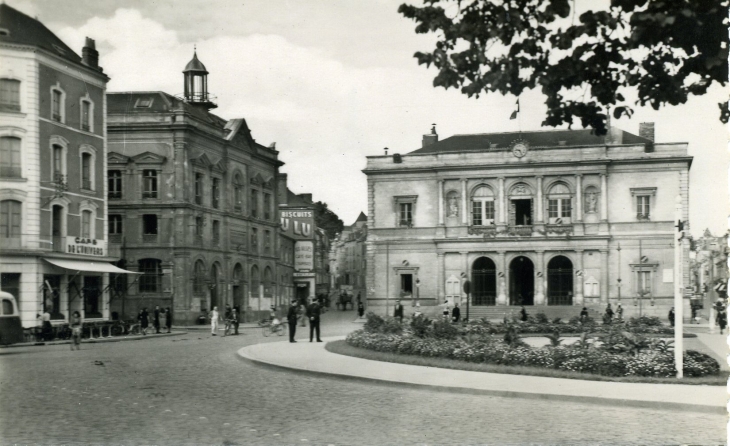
(95, 341)
(490, 392)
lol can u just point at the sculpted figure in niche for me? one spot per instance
(591, 202)
(453, 206)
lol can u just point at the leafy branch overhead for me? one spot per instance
(664, 51)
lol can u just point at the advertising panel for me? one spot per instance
(304, 256)
(297, 223)
(85, 246)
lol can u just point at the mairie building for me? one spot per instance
(553, 220)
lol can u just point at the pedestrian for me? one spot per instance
(722, 320)
(291, 318)
(168, 319)
(619, 313)
(144, 320)
(417, 311)
(398, 313)
(456, 313)
(360, 309)
(156, 320)
(313, 312)
(236, 320)
(76, 328)
(523, 314)
(583, 315)
(214, 318)
(46, 327)
(670, 316)
(608, 315)
(228, 320)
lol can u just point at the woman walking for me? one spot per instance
(144, 320)
(168, 319)
(76, 327)
(722, 320)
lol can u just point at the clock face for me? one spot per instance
(519, 149)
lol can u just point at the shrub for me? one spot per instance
(700, 364)
(373, 322)
(541, 318)
(649, 321)
(557, 321)
(420, 325)
(444, 330)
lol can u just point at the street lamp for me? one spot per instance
(619, 272)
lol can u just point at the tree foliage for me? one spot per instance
(663, 50)
(327, 220)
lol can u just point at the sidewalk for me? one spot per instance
(98, 340)
(313, 358)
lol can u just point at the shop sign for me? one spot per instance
(297, 223)
(304, 256)
(303, 275)
(85, 246)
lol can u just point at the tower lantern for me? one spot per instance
(196, 83)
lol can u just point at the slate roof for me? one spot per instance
(161, 102)
(25, 30)
(545, 138)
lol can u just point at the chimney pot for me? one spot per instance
(89, 55)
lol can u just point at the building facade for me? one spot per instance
(710, 270)
(550, 218)
(193, 201)
(53, 211)
(348, 258)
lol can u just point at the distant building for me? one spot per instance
(540, 218)
(710, 269)
(53, 211)
(193, 201)
(348, 258)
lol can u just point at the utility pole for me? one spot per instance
(387, 278)
(619, 273)
(678, 307)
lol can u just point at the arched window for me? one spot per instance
(151, 280)
(10, 222)
(87, 114)
(559, 204)
(10, 157)
(199, 278)
(482, 206)
(268, 283)
(255, 281)
(9, 95)
(237, 192)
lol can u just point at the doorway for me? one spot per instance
(484, 281)
(522, 281)
(560, 281)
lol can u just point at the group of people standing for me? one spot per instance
(453, 315)
(231, 318)
(311, 312)
(155, 319)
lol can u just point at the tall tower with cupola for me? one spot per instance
(196, 84)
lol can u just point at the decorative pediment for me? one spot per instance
(220, 166)
(257, 180)
(148, 158)
(117, 158)
(201, 160)
(269, 184)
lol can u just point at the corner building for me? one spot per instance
(548, 219)
(192, 201)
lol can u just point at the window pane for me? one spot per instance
(85, 111)
(9, 95)
(86, 171)
(150, 224)
(115, 184)
(57, 162)
(565, 208)
(489, 210)
(476, 213)
(10, 157)
(86, 224)
(553, 208)
(56, 110)
(149, 181)
(10, 219)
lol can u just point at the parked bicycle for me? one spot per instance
(268, 327)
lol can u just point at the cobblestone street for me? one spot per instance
(193, 389)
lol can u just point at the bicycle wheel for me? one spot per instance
(117, 330)
(266, 330)
(281, 330)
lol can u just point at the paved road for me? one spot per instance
(194, 390)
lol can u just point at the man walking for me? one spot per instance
(156, 320)
(456, 313)
(168, 318)
(313, 313)
(398, 313)
(214, 318)
(291, 318)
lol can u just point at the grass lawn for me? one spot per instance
(342, 348)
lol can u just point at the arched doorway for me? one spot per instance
(560, 281)
(521, 281)
(214, 285)
(484, 281)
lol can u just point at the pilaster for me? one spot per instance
(440, 276)
(441, 202)
(540, 278)
(604, 276)
(463, 202)
(501, 278)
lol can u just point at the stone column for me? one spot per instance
(440, 276)
(578, 285)
(441, 202)
(604, 198)
(501, 281)
(539, 212)
(540, 278)
(579, 197)
(463, 202)
(502, 206)
(604, 276)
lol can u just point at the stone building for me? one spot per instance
(348, 257)
(547, 219)
(710, 269)
(53, 211)
(193, 204)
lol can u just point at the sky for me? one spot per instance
(334, 81)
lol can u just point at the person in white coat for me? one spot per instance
(215, 317)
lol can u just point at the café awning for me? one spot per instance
(88, 266)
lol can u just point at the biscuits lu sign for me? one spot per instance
(299, 225)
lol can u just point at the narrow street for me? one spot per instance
(193, 389)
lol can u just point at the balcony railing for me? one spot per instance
(521, 231)
(115, 195)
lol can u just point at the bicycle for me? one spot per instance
(267, 328)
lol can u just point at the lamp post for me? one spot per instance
(619, 272)
(678, 308)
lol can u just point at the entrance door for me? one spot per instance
(522, 281)
(484, 281)
(560, 281)
(303, 292)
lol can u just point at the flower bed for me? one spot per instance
(621, 353)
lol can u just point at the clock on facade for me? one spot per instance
(519, 148)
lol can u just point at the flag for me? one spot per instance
(514, 113)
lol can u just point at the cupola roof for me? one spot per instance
(195, 65)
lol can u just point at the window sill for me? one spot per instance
(88, 191)
(14, 179)
(15, 114)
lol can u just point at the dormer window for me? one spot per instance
(143, 103)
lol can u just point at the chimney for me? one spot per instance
(306, 197)
(646, 130)
(281, 188)
(89, 55)
(431, 138)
